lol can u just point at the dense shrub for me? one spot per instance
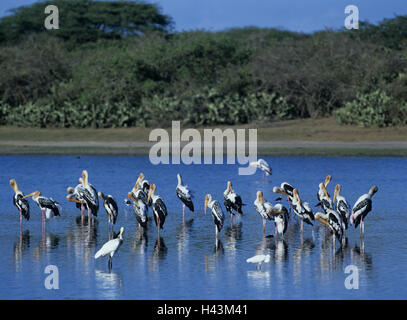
(373, 109)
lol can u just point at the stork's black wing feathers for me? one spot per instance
(23, 205)
(49, 204)
(161, 210)
(187, 201)
(366, 204)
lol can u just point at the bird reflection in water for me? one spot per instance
(183, 232)
(21, 246)
(140, 241)
(48, 241)
(159, 253)
(109, 285)
(280, 251)
(299, 254)
(360, 257)
(217, 252)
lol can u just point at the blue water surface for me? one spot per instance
(187, 262)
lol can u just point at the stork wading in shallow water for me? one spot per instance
(217, 213)
(302, 210)
(263, 166)
(342, 206)
(140, 209)
(285, 189)
(264, 208)
(281, 219)
(361, 208)
(49, 207)
(184, 195)
(159, 208)
(74, 195)
(110, 206)
(232, 201)
(89, 195)
(333, 220)
(139, 193)
(20, 202)
(110, 248)
(323, 195)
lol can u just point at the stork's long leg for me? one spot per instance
(302, 225)
(21, 216)
(183, 211)
(264, 225)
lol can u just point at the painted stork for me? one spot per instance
(259, 260)
(217, 213)
(110, 206)
(89, 195)
(232, 201)
(140, 209)
(110, 248)
(281, 219)
(263, 166)
(342, 206)
(139, 194)
(302, 210)
(323, 196)
(159, 208)
(20, 202)
(184, 195)
(285, 189)
(49, 207)
(361, 208)
(332, 219)
(265, 209)
(74, 195)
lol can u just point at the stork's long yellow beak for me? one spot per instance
(335, 193)
(130, 195)
(324, 190)
(29, 195)
(74, 200)
(327, 180)
(149, 195)
(322, 220)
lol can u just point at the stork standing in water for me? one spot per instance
(139, 193)
(342, 206)
(281, 219)
(263, 166)
(184, 195)
(144, 185)
(361, 208)
(217, 213)
(323, 196)
(285, 189)
(49, 207)
(111, 208)
(232, 201)
(159, 208)
(264, 208)
(89, 195)
(332, 219)
(74, 195)
(20, 202)
(140, 209)
(110, 248)
(302, 210)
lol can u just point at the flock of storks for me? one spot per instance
(336, 216)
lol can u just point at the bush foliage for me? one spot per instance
(123, 66)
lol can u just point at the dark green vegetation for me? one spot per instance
(114, 64)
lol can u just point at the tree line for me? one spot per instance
(114, 64)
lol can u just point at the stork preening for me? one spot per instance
(361, 208)
(263, 166)
(89, 195)
(342, 206)
(323, 196)
(20, 202)
(332, 219)
(140, 209)
(259, 260)
(110, 248)
(139, 193)
(302, 210)
(232, 201)
(265, 209)
(49, 207)
(110, 206)
(184, 195)
(143, 183)
(217, 213)
(159, 208)
(285, 189)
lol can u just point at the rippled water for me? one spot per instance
(187, 263)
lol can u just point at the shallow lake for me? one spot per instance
(187, 262)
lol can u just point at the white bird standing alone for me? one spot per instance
(259, 259)
(263, 166)
(110, 248)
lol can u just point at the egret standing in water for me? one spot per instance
(259, 259)
(159, 208)
(232, 201)
(20, 202)
(217, 213)
(49, 207)
(184, 195)
(110, 248)
(361, 208)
